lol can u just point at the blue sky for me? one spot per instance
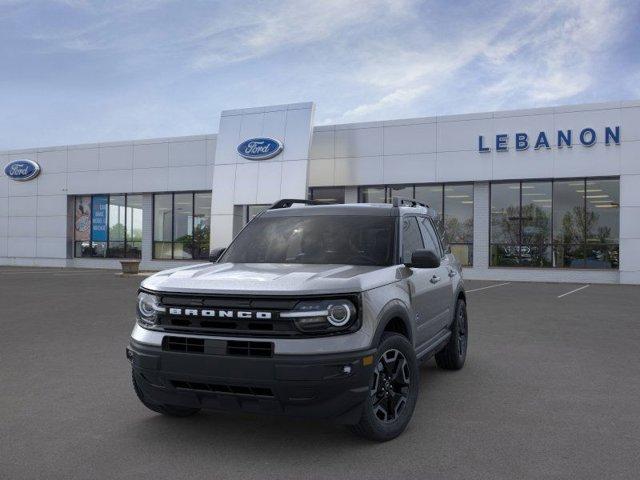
(78, 71)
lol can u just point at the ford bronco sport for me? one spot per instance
(320, 311)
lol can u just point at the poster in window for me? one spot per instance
(82, 219)
(99, 218)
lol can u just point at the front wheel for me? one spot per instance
(452, 356)
(393, 390)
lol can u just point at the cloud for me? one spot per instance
(542, 52)
(238, 36)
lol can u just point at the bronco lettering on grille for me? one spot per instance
(239, 314)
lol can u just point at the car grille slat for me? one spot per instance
(253, 391)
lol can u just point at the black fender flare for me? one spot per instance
(393, 309)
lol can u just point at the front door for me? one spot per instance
(426, 285)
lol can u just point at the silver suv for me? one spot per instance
(321, 311)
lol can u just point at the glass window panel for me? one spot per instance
(504, 255)
(328, 194)
(115, 249)
(134, 218)
(463, 253)
(505, 219)
(603, 211)
(82, 219)
(431, 195)
(162, 215)
(372, 194)
(162, 250)
(429, 237)
(411, 238)
(404, 191)
(601, 256)
(183, 225)
(253, 210)
(568, 212)
(536, 198)
(117, 217)
(569, 256)
(202, 224)
(458, 213)
(99, 249)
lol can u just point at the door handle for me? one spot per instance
(452, 273)
(435, 279)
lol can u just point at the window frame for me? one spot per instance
(173, 214)
(553, 245)
(445, 248)
(125, 240)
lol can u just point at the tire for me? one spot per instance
(454, 354)
(396, 379)
(169, 410)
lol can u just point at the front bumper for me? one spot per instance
(315, 386)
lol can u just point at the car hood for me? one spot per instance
(270, 279)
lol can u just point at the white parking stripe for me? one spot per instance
(573, 291)
(489, 286)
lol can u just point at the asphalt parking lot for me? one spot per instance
(551, 389)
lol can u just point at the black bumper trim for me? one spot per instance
(331, 386)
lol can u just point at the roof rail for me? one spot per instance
(288, 202)
(409, 202)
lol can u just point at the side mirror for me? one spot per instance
(424, 259)
(215, 254)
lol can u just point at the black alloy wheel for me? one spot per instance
(454, 354)
(391, 383)
(393, 390)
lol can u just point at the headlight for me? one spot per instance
(148, 308)
(324, 316)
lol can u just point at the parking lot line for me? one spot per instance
(573, 291)
(488, 286)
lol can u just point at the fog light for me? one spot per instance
(346, 369)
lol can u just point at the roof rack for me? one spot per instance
(409, 202)
(288, 202)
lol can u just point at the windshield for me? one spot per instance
(350, 240)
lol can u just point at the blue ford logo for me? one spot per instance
(22, 170)
(260, 148)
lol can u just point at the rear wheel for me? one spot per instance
(393, 390)
(453, 356)
(170, 410)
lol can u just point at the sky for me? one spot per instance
(78, 71)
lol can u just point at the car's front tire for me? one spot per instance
(170, 410)
(393, 390)
(453, 356)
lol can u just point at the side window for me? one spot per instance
(411, 238)
(430, 236)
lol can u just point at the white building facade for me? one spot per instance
(549, 194)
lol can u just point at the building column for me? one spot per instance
(147, 227)
(481, 209)
(629, 229)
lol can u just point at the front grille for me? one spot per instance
(273, 326)
(221, 388)
(217, 347)
(250, 349)
(263, 315)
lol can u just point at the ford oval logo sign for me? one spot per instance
(260, 148)
(22, 170)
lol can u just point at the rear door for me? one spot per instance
(421, 285)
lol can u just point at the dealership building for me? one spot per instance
(549, 194)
